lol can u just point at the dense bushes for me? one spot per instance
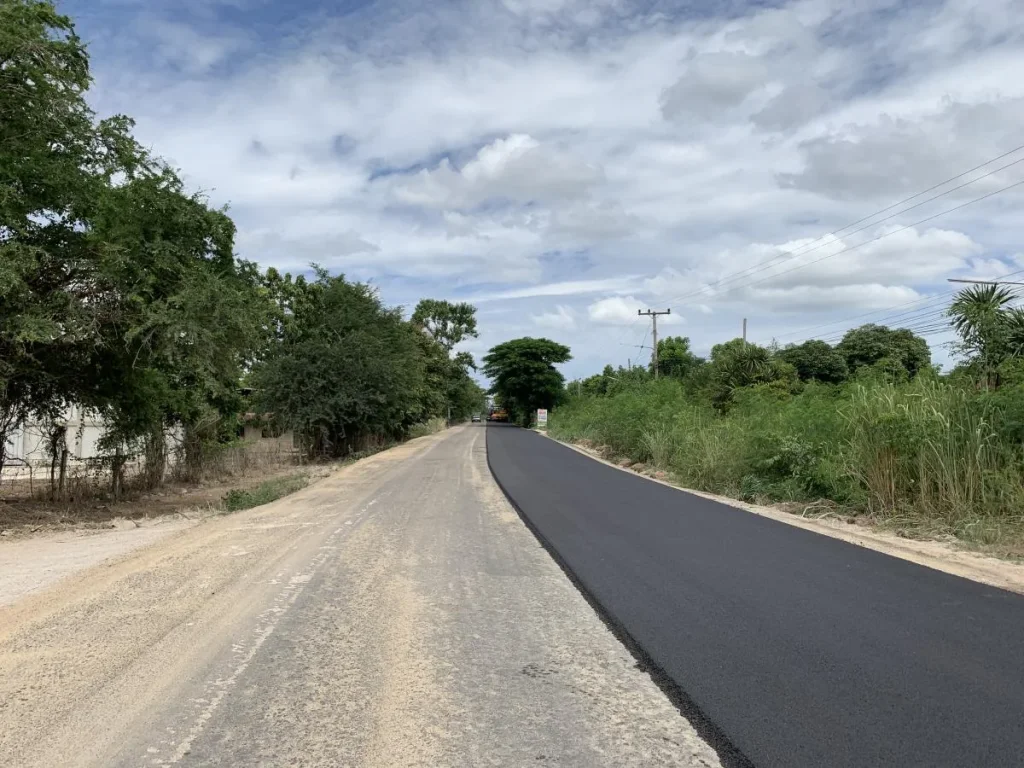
(926, 448)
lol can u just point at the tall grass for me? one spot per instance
(926, 450)
(430, 427)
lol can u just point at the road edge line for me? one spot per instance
(728, 754)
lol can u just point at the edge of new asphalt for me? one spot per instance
(729, 755)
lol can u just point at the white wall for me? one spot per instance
(29, 443)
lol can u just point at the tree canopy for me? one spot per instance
(523, 375)
(675, 357)
(871, 344)
(345, 367)
(445, 322)
(816, 360)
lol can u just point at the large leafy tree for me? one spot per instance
(871, 344)
(450, 391)
(56, 165)
(523, 375)
(118, 291)
(345, 368)
(816, 360)
(186, 316)
(675, 357)
(445, 322)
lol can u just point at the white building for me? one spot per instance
(28, 443)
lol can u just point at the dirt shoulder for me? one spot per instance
(939, 555)
(22, 515)
(53, 544)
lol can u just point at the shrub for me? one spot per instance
(269, 490)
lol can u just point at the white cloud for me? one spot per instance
(189, 49)
(617, 310)
(515, 168)
(519, 150)
(713, 82)
(567, 288)
(810, 298)
(622, 310)
(562, 319)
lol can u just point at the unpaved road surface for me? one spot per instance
(33, 564)
(803, 650)
(396, 614)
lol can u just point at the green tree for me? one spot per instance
(185, 317)
(445, 322)
(346, 369)
(867, 345)
(675, 357)
(523, 375)
(816, 360)
(991, 332)
(737, 364)
(56, 166)
(451, 391)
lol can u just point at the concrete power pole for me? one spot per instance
(653, 314)
(744, 333)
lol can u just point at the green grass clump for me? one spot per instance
(269, 490)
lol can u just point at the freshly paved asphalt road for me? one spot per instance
(398, 613)
(803, 650)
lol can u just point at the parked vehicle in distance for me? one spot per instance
(475, 417)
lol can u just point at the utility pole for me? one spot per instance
(653, 314)
(744, 333)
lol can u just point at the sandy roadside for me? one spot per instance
(31, 565)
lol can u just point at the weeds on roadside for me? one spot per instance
(270, 490)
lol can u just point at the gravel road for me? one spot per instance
(397, 613)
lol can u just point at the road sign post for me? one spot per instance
(542, 417)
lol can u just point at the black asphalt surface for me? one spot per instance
(801, 649)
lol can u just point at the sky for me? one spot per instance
(564, 163)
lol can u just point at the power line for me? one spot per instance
(880, 237)
(927, 303)
(845, 320)
(807, 248)
(904, 319)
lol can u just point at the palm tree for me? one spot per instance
(989, 331)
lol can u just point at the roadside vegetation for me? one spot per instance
(865, 429)
(121, 295)
(269, 490)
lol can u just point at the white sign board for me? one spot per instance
(542, 417)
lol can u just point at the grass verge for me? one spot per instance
(269, 490)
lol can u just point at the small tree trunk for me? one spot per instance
(58, 449)
(53, 476)
(116, 474)
(193, 445)
(62, 486)
(156, 458)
